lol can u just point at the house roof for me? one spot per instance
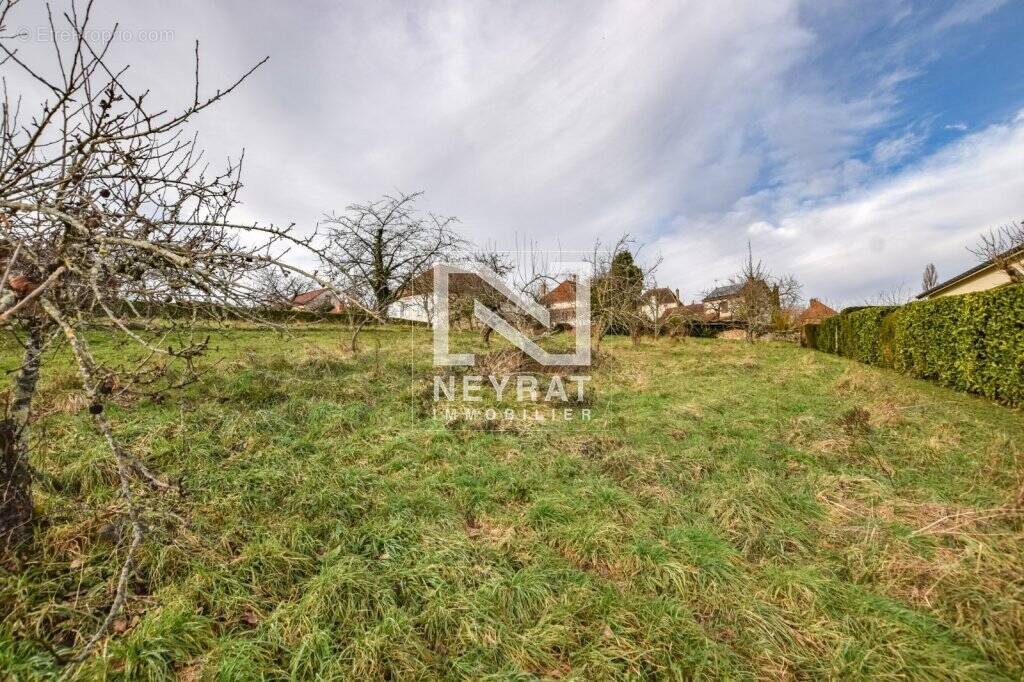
(727, 291)
(972, 271)
(565, 292)
(459, 283)
(815, 313)
(308, 296)
(662, 295)
(692, 311)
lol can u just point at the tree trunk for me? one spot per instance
(15, 476)
(353, 345)
(634, 334)
(598, 332)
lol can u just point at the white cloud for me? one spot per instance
(766, 229)
(875, 237)
(967, 11)
(692, 125)
(559, 121)
(895, 149)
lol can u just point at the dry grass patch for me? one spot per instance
(704, 526)
(859, 380)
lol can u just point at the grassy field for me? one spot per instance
(730, 511)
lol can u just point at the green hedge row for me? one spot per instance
(973, 342)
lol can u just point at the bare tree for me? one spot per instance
(109, 217)
(1004, 248)
(276, 287)
(502, 265)
(762, 297)
(653, 302)
(616, 291)
(376, 249)
(930, 277)
(893, 296)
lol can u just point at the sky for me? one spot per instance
(850, 143)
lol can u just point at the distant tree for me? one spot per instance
(763, 297)
(1000, 246)
(376, 249)
(894, 296)
(277, 287)
(500, 264)
(930, 277)
(616, 292)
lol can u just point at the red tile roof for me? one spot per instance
(307, 297)
(565, 292)
(815, 313)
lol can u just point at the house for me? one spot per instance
(987, 275)
(815, 313)
(657, 301)
(318, 301)
(721, 301)
(561, 302)
(417, 300)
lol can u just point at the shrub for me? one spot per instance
(973, 342)
(225, 313)
(855, 333)
(809, 336)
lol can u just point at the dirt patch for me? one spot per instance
(854, 421)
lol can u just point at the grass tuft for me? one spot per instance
(730, 511)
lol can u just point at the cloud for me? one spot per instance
(561, 121)
(874, 237)
(895, 149)
(762, 229)
(967, 11)
(692, 126)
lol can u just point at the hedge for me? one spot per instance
(220, 313)
(972, 342)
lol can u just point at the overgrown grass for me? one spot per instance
(730, 511)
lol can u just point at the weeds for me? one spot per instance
(731, 511)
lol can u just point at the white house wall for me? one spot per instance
(412, 308)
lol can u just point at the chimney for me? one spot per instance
(814, 300)
(543, 288)
(677, 296)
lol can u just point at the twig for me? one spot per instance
(124, 467)
(35, 293)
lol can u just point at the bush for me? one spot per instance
(227, 313)
(688, 325)
(973, 342)
(809, 336)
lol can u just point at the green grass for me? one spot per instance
(726, 513)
